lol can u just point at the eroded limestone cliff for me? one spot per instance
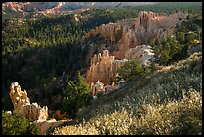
(22, 104)
(126, 34)
(129, 40)
(39, 115)
(143, 53)
(103, 68)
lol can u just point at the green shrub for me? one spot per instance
(13, 124)
(132, 69)
(182, 117)
(170, 103)
(76, 96)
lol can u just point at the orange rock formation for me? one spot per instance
(22, 104)
(129, 33)
(130, 38)
(143, 53)
(103, 68)
(37, 114)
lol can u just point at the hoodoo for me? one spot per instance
(129, 39)
(39, 115)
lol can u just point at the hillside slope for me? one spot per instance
(167, 102)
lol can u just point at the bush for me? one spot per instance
(169, 103)
(132, 69)
(13, 124)
(154, 67)
(76, 96)
(183, 117)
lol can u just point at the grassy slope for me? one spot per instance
(168, 102)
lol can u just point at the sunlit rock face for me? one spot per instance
(22, 104)
(129, 39)
(48, 125)
(103, 68)
(126, 34)
(100, 87)
(97, 87)
(143, 53)
(39, 115)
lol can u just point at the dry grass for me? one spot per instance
(170, 102)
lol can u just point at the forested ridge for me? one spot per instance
(44, 54)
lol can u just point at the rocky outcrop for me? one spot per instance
(97, 87)
(33, 111)
(147, 19)
(22, 104)
(103, 68)
(41, 6)
(48, 125)
(129, 40)
(143, 53)
(100, 87)
(55, 8)
(126, 34)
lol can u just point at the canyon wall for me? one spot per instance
(102, 71)
(129, 33)
(129, 39)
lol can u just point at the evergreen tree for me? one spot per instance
(180, 37)
(76, 95)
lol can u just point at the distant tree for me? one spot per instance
(180, 37)
(190, 37)
(182, 54)
(164, 57)
(175, 46)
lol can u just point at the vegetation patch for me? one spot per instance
(169, 103)
(13, 124)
